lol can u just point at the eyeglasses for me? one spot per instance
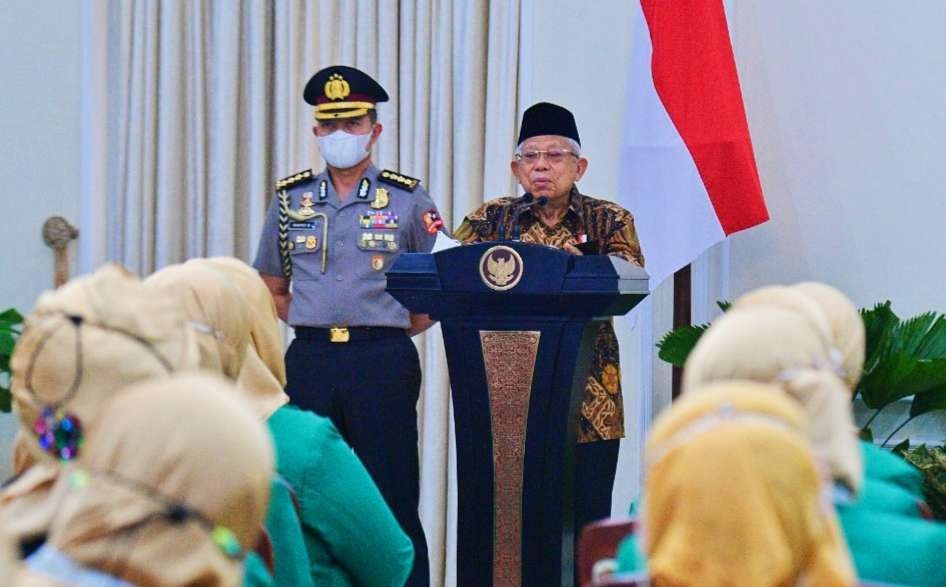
(551, 155)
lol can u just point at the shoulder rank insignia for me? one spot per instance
(402, 181)
(292, 180)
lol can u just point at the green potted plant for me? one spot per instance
(903, 358)
(11, 323)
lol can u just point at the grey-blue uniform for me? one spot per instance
(336, 251)
(351, 359)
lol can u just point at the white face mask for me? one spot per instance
(343, 150)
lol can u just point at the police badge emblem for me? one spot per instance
(381, 198)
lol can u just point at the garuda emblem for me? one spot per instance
(501, 268)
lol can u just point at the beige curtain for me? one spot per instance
(199, 105)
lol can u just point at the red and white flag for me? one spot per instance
(688, 171)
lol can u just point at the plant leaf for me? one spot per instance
(7, 342)
(928, 401)
(932, 461)
(879, 324)
(5, 400)
(11, 316)
(677, 344)
(724, 305)
(901, 448)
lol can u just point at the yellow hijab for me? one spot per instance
(263, 375)
(772, 345)
(733, 496)
(186, 444)
(81, 344)
(847, 327)
(216, 311)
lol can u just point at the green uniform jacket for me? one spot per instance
(290, 557)
(255, 573)
(882, 465)
(350, 534)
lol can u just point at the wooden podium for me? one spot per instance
(518, 327)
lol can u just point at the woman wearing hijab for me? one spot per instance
(350, 535)
(81, 344)
(769, 344)
(847, 333)
(170, 492)
(890, 483)
(733, 495)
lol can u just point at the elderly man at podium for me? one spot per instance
(547, 164)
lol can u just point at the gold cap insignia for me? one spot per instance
(501, 268)
(336, 88)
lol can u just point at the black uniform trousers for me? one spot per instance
(369, 388)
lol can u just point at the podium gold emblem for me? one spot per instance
(501, 268)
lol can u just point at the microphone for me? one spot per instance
(525, 205)
(525, 199)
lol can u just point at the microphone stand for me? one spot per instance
(526, 199)
(539, 202)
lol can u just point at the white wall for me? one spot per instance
(847, 108)
(39, 139)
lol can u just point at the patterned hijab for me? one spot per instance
(733, 495)
(772, 345)
(80, 346)
(173, 489)
(263, 375)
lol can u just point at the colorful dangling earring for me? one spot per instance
(59, 433)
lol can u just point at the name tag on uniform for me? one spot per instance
(378, 219)
(301, 225)
(372, 241)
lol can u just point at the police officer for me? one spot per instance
(332, 235)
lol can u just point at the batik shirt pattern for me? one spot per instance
(587, 219)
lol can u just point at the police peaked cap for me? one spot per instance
(342, 92)
(547, 119)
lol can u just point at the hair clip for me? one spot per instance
(226, 541)
(59, 433)
(79, 479)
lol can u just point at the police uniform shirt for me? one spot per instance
(387, 214)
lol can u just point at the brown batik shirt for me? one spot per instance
(587, 220)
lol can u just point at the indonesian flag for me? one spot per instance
(687, 161)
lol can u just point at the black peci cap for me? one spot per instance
(342, 92)
(547, 119)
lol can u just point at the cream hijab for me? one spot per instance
(81, 344)
(847, 327)
(787, 298)
(772, 345)
(733, 496)
(216, 311)
(263, 375)
(179, 474)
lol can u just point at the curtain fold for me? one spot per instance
(204, 111)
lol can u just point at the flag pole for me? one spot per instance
(681, 317)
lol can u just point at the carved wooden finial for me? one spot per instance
(57, 232)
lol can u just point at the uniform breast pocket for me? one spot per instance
(305, 247)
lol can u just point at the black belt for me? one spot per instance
(340, 334)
